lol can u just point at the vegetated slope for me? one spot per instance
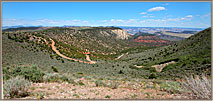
(192, 56)
(16, 52)
(96, 40)
(101, 42)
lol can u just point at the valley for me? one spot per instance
(92, 60)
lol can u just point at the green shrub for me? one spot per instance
(99, 83)
(29, 72)
(171, 87)
(153, 76)
(40, 95)
(54, 69)
(16, 87)
(114, 85)
(55, 77)
(81, 83)
(107, 96)
(51, 77)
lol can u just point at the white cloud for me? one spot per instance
(173, 19)
(157, 9)
(148, 16)
(120, 20)
(163, 20)
(143, 13)
(189, 16)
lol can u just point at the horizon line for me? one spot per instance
(99, 26)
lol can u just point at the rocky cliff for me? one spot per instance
(121, 34)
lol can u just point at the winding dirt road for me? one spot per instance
(63, 56)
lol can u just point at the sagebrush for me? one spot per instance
(199, 86)
(16, 87)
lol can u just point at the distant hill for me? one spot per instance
(22, 29)
(152, 30)
(183, 32)
(150, 39)
(168, 37)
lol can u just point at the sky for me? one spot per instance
(137, 14)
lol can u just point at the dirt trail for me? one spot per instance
(120, 56)
(160, 67)
(88, 59)
(63, 56)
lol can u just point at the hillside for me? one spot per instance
(192, 56)
(99, 41)
(95, 40)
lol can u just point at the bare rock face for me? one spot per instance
(121, 34)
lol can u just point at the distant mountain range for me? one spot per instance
(152, 30)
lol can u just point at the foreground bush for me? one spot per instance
(29, 72)
(114, 85)
(200, 87)
(171, 87)
(99, 83)
(55, 77)
(16, 87)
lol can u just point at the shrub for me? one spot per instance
(29, 72)
(171, 87)
(51, 77)
(16, 87)
(55, 77)
(80, 83)
(99, 83)
(200, 87)
(153, 76)
(54, 69)
(107, 96)
(114, 85)
(40, 95)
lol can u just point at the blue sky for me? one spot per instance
(140, 14)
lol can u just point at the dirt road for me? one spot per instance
(63, 56)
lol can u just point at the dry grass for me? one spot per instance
(200, 87)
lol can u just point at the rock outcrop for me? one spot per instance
(121, 34)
